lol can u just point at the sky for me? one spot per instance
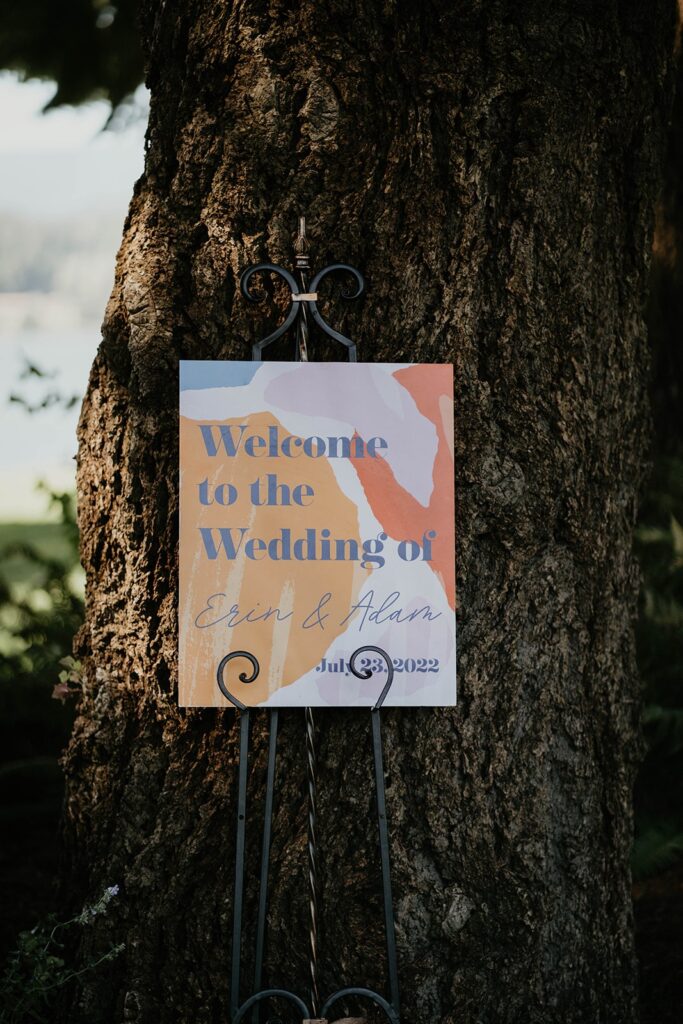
(62, 162)
(53, 167)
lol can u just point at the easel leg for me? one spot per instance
(389, 926)
(311, 773)
(265, 860)
(239, 864)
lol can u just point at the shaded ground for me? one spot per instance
(658, 906)
(31, 798)
(30, 804)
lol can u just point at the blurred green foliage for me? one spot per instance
(90, 48)
(41, 608)
(659, 789)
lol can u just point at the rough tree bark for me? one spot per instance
(493, 169)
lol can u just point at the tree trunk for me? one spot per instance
(493, 169)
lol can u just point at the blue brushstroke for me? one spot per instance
(196, 374)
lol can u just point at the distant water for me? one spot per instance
(40, 445)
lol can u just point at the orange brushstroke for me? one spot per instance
(400, 514)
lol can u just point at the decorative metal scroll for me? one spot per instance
(304, 297)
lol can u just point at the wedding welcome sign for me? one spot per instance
(317, 517)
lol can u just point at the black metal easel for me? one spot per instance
(304, 301)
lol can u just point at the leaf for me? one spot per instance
(61, 691)
(677, 536)
(656, 849)
(664, 728)
(32, 370)
(652, 535)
